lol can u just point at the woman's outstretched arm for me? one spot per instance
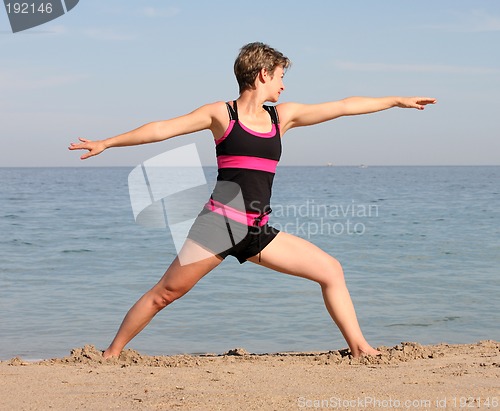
(299, 115)
(200, 119)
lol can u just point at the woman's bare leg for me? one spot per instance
(293, 255)
(177, 281)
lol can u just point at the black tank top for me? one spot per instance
(249, 159)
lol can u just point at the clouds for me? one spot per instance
(99, 33)
(35, 79)
(114, 33)
(414, 68)
(155, 12)
(481, 21)
(475, 21)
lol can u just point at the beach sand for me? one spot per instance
(407, 376)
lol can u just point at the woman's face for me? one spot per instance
(276, 85)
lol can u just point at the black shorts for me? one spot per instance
(225, 237)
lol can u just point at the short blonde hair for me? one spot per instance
(254, 57)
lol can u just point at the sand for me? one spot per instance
(407, 376)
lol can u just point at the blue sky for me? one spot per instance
(109, 66)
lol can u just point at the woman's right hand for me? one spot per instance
(94, 147)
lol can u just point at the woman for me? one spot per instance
(248, 143)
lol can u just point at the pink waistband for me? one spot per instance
(247, 218)
(247, 162)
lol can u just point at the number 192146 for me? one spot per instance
(28, 8)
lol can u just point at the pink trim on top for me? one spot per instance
(247, 218)
(226, 133)
(247, 162)
(269, 134)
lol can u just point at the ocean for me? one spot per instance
(420, 248)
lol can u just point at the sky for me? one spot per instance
(107, 67)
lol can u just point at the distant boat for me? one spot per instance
(363, 166)
(329, 164)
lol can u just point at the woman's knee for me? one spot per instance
(177, 281)
(333, 273)
(165, 295)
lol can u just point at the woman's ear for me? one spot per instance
(263, 75)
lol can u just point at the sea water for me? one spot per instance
(420, 247)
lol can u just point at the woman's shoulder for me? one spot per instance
(218, 112)
(215, 109)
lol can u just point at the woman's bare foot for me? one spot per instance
(107, 354)
(365, 351)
